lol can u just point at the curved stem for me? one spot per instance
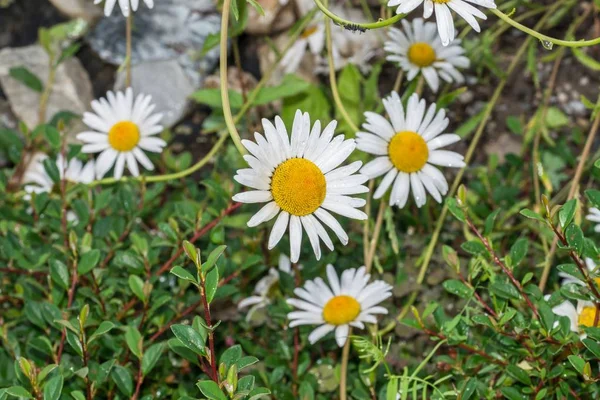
(333, 80)
(543, 38)
(168, 177)
(233, 132)
(357, 26)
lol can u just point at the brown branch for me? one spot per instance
(477, 296)
(466, 347)
(138, 386)
(211, 334)
(504, 268)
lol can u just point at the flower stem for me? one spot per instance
(543, 38)
(333, 80)
(233, 132)
(361, 26)
(128, 28)
(344, 367)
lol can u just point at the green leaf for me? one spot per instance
(519, 374)
(455, 209)
(211, 284)
(137, 287)
(577, 362)
(572, 270)
(259, 393)
(246, 362)
(231, 356)
(246, 383)
(59, 273)
(52, 136)
(469, 389)
(512, 393)
(474, 247)
(19, 391)
(105, 327)
(518, 251)
(27, 78)
(78, 395)
(532, 215)
(182, 273)
(593, 195)
(151, 357)
(505, 290)
(556, 118)
(68, 53)
(134, 340)
(574, 237)
(567, 212)
(212, 98)
(586, 60)
(53, 388)
(190, 338)
(211, 390)
(122, 378)
(458, 288)
(88, 261)
(291, 85)
(547, 316)
(212, 258)
(52, 170)
(391, 391)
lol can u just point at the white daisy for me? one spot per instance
(349, 301)
(37, 180)
(125, 5)
(406, 149)
(122, 128)
(591, 266)
(419, 49)
(299, 180)
(312, 38)
(583, 315)
(594, 216)
(443, 16)
(263, 287)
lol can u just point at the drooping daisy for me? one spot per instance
(443, 16)
(594, 216)
(37, 180)
(122, 128)
(349, 301)
(419, 49)
(264, 286)
(407, 150)
(312, 38)
(591, 266)
(582, 316)
(300, 181)
(126, 5)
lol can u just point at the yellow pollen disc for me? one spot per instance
(308, 31)
(124, 136)
(441, 1)
(597, 280)
(586, 316)
(341, 310)
(421, 54)
(298, 186)
(408, 151)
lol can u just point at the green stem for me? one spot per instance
(168, 177)
(128, 29)
(333, 80)
(357, 25)
(541, 37)
(344, 367)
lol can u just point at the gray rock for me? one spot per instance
(72, 90)
(84, 9)
(166, 45)
(167, 83)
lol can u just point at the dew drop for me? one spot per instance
(547, 44)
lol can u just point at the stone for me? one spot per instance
(278, 17)
(503, 145)
(84, 9)
(168, 84)
(72, 90)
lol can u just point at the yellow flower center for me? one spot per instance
(587, 316)
(441, 1)
(408, 151)
(308, 32)
(124, 136)
(298, 186)
(421, 54)
(341, 310)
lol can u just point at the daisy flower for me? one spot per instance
(594, 216)
(122, 128)
(263, 287)
(125, 5)
(443, 16)
(312, 39)
(591, 266)
(349, 301)
(406, 150)
(300, 181)
(37, 180)
(419, 49)
(582, 316)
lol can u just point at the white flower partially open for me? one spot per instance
(594, 216)
(419, 49)
(122, 128)
(582, 316)
(37, 180)
(407, 150)
(126, 5)
(345, 302)
(300, 181)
